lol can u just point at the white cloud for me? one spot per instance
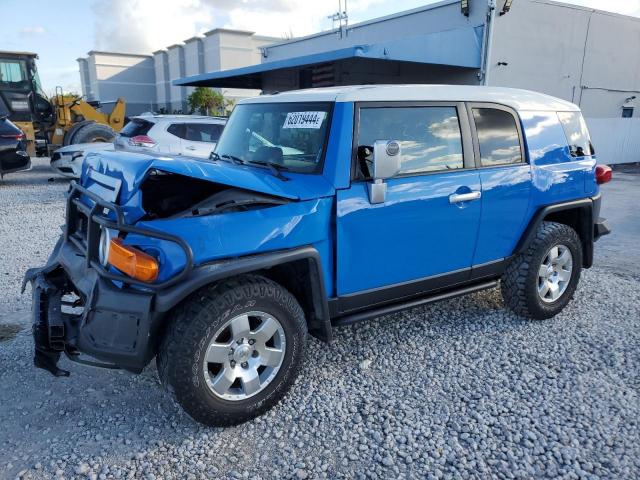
(32, 31)
(142, 26)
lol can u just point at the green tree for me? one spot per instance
(207, 101)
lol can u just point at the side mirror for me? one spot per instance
(386, 164)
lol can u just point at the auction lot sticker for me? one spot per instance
(304, 119)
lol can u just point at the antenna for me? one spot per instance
(341, 18)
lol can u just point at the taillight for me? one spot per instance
(15, 136)
(142, 141)
(603, 174)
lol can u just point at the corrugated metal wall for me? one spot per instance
(616, 140)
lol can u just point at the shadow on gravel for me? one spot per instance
(8, 332)
(40, 173)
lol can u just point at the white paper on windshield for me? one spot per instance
(304, 120)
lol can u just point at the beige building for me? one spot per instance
(145, 81)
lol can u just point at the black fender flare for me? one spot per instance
(585, 207)
(320, 324)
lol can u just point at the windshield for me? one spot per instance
(13, 74)
(288, 135)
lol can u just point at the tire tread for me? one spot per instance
(193, 317)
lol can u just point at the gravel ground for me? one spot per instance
(458, 389)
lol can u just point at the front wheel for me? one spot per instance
(541, 281)
(233, 350)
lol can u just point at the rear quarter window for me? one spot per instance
(575, 129)
(136, 127)
(203, 132)
(498, 137)
(176, 129)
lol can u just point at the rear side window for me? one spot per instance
(176, 129)
(203, 132)
(498, 137)
(429, 137)
(136, 127)
(575, 129)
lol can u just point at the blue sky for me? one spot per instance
(141, 26)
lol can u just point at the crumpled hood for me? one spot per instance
(132, 169)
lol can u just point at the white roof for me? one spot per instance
(516, 98)
(155, 118)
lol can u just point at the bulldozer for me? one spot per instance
(49, 123)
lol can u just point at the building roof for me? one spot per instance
(365, 23)
(458, 47)
(227, 30)
(120, 54)
(517, 99)
(16, 53)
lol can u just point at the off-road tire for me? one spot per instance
(94, 132)
(195, 321)
(519, 285)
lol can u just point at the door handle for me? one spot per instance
(190, 148)
(464, 197)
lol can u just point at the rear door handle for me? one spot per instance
(190, 148)
(464, 197)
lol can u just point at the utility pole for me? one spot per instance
(341, 18)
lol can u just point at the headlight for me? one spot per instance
(106, 235)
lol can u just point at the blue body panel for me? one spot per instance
(415, 233)
(213, 237)
(556, 175)
(506, 195)
(132, 169)
(337, 163)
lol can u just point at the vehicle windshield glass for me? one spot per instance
(289, 135)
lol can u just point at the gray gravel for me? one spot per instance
(458, 389)
(31, 212)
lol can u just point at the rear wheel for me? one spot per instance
(233, 350)
(93, 133)
(541, 281)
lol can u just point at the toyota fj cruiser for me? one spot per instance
(317, 208)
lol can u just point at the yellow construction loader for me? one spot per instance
(49, 123)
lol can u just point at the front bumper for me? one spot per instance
(80, 308)
(66, 165)
(103, 321)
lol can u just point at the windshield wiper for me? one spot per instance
(275, 168)
(233, 158)
(225, 156)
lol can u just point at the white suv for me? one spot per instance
(188, 135)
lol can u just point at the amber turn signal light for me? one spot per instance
(132, 261)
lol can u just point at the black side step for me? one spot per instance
(396, 307)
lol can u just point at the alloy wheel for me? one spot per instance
(244, 356)
(554, 273)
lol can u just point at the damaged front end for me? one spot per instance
(82, 305)
(197, 228)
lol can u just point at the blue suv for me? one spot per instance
(317, 208)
